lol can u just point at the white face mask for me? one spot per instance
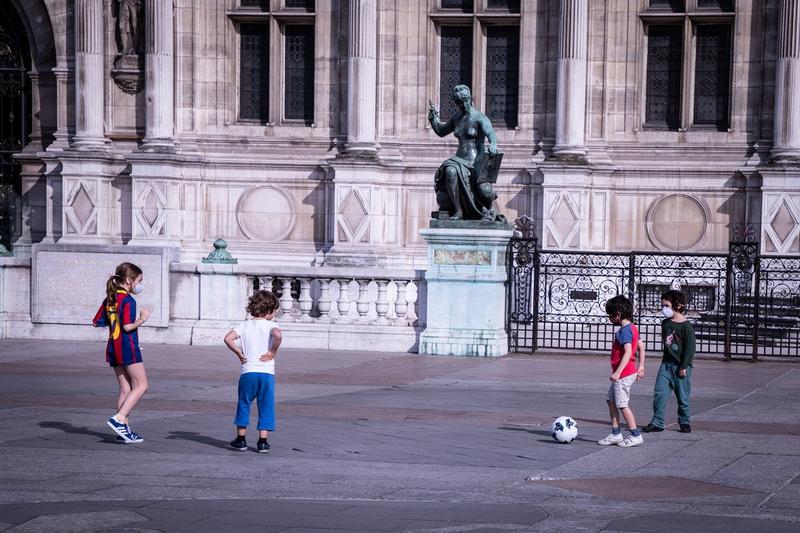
(139, 288)
(667, 312)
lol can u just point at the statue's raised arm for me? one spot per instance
(464, 182)
(440, 128)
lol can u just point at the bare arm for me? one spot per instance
(230, 342)
(640, 372)
(144, 314)
(625, 358)
(441, 128)
(275, 342)
(486, 124)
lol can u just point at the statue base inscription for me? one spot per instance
(466, 291)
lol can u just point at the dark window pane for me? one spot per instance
(505, 5)
(466, 6)
(664, 50)
(299, 102)
(456, 65)
(502, 74)
(712, 75)
(669, 5)
(307, 5)
(719, 5)
(254, 72)
(261, 4)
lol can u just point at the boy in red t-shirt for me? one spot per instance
(624, 372)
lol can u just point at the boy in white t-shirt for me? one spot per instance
(259, 340)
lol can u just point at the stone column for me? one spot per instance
(159, 74)
(786, 142)
(361, 76)
(571, 89)
(62, 129)
(89, 86)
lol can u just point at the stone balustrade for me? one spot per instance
(343, 296)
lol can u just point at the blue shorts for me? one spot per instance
(258, 386)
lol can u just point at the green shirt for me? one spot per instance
(678, 340)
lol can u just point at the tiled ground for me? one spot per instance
(389, 442)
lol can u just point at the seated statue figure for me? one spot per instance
(462, 187)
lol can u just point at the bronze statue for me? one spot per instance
(464, 181)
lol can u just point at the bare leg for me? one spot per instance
(138, 378)
(629, 418)
(241, 431)
(124, 385)
(614, 412)
(262, 433)
(451, 179)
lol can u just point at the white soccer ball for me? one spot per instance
(564, 430)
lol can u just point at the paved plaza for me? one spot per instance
(389, 442)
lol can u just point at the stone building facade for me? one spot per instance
(296, 130)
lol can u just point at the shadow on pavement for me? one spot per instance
(197, 437)
(69, 428)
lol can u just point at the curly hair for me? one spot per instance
(262, 303)
(676, 298)
(620, 305)
(461, 93)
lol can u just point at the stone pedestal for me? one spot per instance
(466, 292)
(222, 301)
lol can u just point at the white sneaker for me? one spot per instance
(630, 440)
(611, 438)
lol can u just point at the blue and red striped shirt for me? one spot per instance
(123, 347)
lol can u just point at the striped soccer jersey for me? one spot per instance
(123, 347)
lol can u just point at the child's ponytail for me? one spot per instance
(111, 291)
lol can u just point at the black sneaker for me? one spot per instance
(650, 428)
(686, 428)
(263, 446)
(239, 444)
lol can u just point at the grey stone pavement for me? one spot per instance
(389, 442)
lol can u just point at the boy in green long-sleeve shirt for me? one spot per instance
(675, 372)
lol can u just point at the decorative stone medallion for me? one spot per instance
(677, 222)
(265, 213)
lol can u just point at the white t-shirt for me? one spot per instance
(255, 337)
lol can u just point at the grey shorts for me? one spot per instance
(620, 391)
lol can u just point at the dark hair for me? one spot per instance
(676, 298)
(620, 305)
(262, 303)
(124, 272)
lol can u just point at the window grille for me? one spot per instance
(676, 6)
(505, 5)
(664, 53)
(307, 5)
(712, 75)
(466, 6)
(720, 5)
(254, 72)
(502, 74)
(299, 77)
(456, 65)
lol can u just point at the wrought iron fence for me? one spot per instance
(740, 303)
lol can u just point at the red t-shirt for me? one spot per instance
(625, 335)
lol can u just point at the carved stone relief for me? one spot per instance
(265, 213)
(677, 222)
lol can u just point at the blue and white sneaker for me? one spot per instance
(134, 438)
(119, 428)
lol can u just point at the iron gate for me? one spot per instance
(15, 118)
(740, 303)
